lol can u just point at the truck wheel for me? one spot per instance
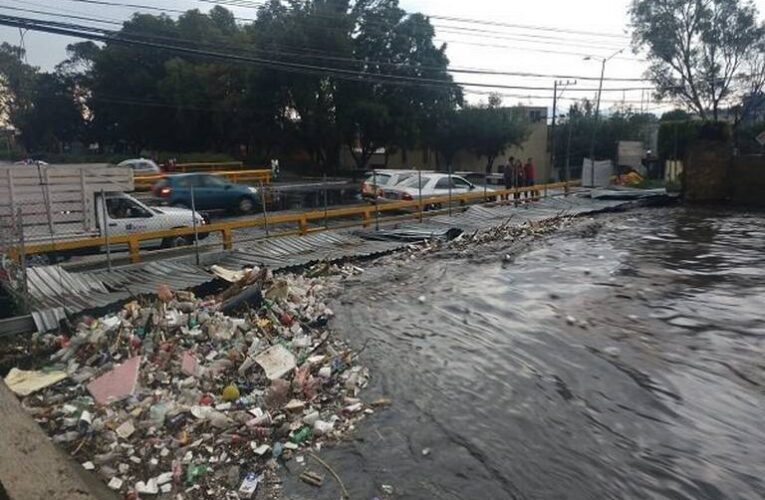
(245, 204)
(177, 241)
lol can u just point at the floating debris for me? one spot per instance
(174, 395)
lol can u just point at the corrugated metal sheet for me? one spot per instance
(53, 288)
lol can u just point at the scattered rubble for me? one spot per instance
(174, 396)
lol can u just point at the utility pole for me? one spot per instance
(597, 111)
(565, 84)
(552, 139)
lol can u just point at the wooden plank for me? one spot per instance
(32, 466)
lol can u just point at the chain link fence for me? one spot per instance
(48, 211)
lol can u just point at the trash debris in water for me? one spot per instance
(200, 398)
(24, 383)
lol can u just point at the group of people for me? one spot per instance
(517, 174)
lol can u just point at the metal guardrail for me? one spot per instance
(209, 166)
(365, 211)
(144, 182)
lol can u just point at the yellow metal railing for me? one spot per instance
(209, 166)
(302, 219)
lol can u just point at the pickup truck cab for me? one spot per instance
(127, 215)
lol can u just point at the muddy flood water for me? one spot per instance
(620, 358)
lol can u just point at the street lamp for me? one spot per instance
(597, 110)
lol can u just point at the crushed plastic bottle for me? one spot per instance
(304, 434)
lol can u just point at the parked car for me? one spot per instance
(384, 179)
(431, 185)
(141, 166)
(211, 192)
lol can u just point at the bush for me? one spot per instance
(676, 137)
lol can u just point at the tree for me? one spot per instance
(16, 84)
(383, 115)
(700, 50)
(491, 129)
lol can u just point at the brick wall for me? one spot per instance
(712, 175)
(748, 180)
(707, 172)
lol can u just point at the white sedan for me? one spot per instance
(141, 166)
(431, 185)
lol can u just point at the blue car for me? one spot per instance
(211, 192)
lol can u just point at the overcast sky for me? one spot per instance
(586, 27)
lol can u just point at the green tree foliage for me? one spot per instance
(621, 125)
(705, 53)
(42, 106)
(490, 130)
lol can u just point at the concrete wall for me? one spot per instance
(712, 175)
(464, 161)
(748, 180)
(707, 172)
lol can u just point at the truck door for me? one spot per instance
(124, 215)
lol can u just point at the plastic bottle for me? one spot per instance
(302, 435)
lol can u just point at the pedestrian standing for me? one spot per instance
(530, 177)
(508, 175)
(519, 178)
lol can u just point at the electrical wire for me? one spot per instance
(297, 53)
(128, 38)
(316, 18)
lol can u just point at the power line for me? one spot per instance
(257, 5)
(354, 75)
(455, 70)
(386, 27)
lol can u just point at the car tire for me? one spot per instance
(177, 241)
(245, 205)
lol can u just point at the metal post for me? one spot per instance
(419, 188)
(554, 116)
(485, 187)
(194, 224)
(106, 231)
(324, 182)
(450, 189)
(22, 252)
(595, 126)
(516, 193)
(262, 193)
(568, 152)
(376, 195)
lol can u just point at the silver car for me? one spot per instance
(430, 185)
(141, 166)
(382, 180)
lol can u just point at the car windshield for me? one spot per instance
(381, 178)
(214, 181)
(413, 182)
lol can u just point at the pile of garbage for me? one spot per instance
(200, 398)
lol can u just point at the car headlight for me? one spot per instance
(253, 190)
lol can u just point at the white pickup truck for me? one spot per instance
(54, 203)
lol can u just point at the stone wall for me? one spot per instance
(707, 172)
(713, 175)
(748, 180)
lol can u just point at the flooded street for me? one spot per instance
(619, 358)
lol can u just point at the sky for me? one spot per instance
(548, 37)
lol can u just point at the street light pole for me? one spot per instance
(597, 112)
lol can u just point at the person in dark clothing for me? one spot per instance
(519, 178)
(507, 175)
(529, 176)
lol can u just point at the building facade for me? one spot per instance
(535, 147)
